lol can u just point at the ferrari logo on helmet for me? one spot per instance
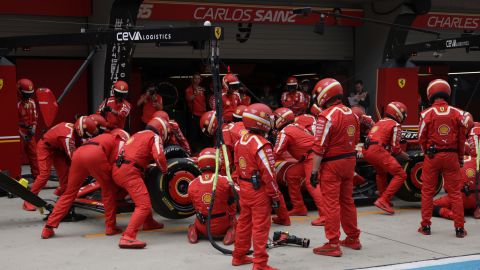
(401, 82)
(218, 32)
(470, 173)
(206, 198)
(262, 114)
(442, 109)
(374, 129)
(443, 129)
(242, 163)
(351, 130)
(1, 84)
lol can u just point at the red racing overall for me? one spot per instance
(27, 116)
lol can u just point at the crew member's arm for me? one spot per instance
(321, 142)
(423, 132)
(367, 122)
(158, 103)
(266, 165)
(68, 143)
(396, 150)
(182, 141)
(461, 139)
(142, 100)
(283, 99)
(281, 144)
(158, 154)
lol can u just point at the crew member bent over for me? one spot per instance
(128, 173)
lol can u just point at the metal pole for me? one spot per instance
(77, 75)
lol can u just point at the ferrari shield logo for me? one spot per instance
(1, 84)
(401, 82)
(218, 32)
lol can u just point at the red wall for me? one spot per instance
(55, 74)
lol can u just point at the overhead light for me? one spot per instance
(464, 73)
(424, 74)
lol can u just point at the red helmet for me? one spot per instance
(120, 89)
(359, 111)
(326, 90)
(438, 88)
(162, 114)
(283, 117)
(292, 83)
(230, 81)
(397, 111)
(476, 124)
(86, 127)
(239, 111)
(99, 121)
(206, 159)
(122, 134)
(25, 86)
(208, 123)
(315, 110)
(305, 120)
(258, 117)
(159, 126)
(468, 121)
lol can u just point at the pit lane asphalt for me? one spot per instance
(82, 245)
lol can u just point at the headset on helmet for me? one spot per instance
(120, 89)
(122, 134)
(359, 111)
(283, 117)
(315, 110)
(397, 111)
(327, 90)
(258, 117)
(438, 89)
(208, 123)
(159, 126)
(86, 127)
(230, 82)
(162, 114)
(292, 83)
(237, 115)
(206, 159)
(100, 122)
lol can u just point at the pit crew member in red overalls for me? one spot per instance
(442, 138)
(128, 173)
(223, 217)
(259, 192)
(175, 135)
(292, 98)
(116, 108)
(95, 157)
(336, 135)
(56, 148)
(230, 97)
(382, 142)
(27, 116)
(296, 140)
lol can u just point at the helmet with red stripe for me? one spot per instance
(100, 121)
(305, 120)
(438, 89)
(206, 159)
(283, 117)
(397, 111)
(230, 82)
(327, 91)
(120, 89)
(86, 127)
(208, 123)
(292, 83)
(159, 126)
(237, 115)
(122, 134)
(258, 117)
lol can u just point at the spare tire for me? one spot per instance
(411, 190)
(169, 192)
(175, 151)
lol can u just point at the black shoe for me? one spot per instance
(460, 232)
(425, 230)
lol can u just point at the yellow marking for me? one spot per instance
(10, 141)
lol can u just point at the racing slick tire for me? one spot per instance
(168, 192)
(175, 151)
